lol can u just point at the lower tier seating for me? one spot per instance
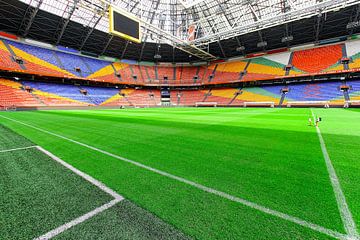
(30, 93)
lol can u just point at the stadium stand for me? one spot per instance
(137, 72)
(163, 71)
(327, 91)
(99, 95)
(13, 94)
(71, 62)
(187, 97)
(30, 93)
(228, 72)
(221, 96)
(149, 73)
(47, 62)
(354, 93)
(317, 59)
(6, 60)
(66, 92)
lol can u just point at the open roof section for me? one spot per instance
(190, 3)
(213, 19)
(222, 25)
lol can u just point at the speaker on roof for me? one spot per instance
(287, 39)
(261, 44)
(240, 48)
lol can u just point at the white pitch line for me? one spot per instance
(244, 202)
(346, 216)
(88, 178)
(16, 149)
(77, 221)
(88, 215)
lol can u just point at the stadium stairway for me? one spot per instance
(282, 99)
(206, 95)
(236, 94)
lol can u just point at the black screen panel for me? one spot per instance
(126, 25)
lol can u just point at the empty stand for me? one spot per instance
(317, 59)
(13, 94)
(54, 63)
(327, 91)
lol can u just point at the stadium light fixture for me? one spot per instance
(261, 44)
(287, 39)
(351, 25)
(240, 48)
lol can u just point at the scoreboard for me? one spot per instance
(124, 25)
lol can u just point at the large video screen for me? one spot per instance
(124, 25)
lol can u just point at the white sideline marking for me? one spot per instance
(247, 203)
(16, 149)
(77, 221)
(82, 174)
(346, 216)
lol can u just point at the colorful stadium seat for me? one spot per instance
(317, 59)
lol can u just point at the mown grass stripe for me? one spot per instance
(247, 203)
(346, 216)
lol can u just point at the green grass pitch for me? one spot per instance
(269, 157)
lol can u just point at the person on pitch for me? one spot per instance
(318, 119)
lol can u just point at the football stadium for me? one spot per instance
(179, 119)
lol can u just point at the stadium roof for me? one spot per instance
(223, 28)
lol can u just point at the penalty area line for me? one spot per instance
(16, 149)
(345, 213)
(244, 202)
(77, 221)
(117, 198)
(88, 178)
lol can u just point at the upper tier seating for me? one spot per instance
(228, 72)
(39, 60)
(263, 65)
(70, 62)
(317, 59)
(136, 71)
(165, 72)
(188, 74)
(355, 61)
(6, 60)
(54, 63)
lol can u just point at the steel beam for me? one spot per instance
(28, 21)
